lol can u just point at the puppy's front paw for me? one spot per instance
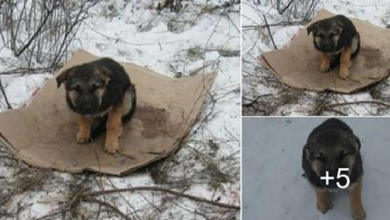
(120, 132)
(324, 206)
(344, 72)
(325, 63)
(359, 213)
(83, 137)
(111, 146)
(325, 67)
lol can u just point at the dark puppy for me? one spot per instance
(330, 146)
(337, 40)
(103, 96)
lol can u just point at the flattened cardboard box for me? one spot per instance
(43, 134)
(298, 65)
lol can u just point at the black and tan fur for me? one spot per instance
(103, 96)
(330, 146)
(338, 41)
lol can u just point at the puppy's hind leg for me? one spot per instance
(355, 198)
(345, 62)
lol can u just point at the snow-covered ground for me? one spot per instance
(263, 94)
(273, 185)
(202, 37)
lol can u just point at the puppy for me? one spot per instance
(101, 93)
(330, 146)
(338, 42)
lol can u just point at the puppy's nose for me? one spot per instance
(328, 46)
(87, 108)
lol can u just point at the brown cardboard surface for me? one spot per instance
(297, 65)
(43, 134)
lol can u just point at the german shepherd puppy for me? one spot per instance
(338, 42)
(330, 146)
(102, 94)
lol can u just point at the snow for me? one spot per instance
(174, 44)
(273, 185)
(258, 81)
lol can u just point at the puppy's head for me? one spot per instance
(326, 34)
(331, 150)
(85, 86)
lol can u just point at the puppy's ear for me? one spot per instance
(65, 76)
(312, 27)
(355, 142)
(306, 152)
(104, 72)
(339, 26)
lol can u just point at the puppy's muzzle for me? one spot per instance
(87, 109)
(87, 105)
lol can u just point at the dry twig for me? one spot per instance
(269, 32)
(5, 95)
(326, 107)
(164, 190)
(108, 205)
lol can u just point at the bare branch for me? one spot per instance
(5, 95)
(164, 190)
(108, 205)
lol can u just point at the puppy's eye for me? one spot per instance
(321, 35)
(94, 87)
(320, 157)
(76, 88)
(342, 154)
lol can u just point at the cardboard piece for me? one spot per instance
(298, 65)
(43, 134)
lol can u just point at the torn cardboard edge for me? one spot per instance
(297, 64)
(180, 111)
